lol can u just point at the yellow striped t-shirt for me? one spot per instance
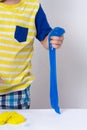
(17, 32)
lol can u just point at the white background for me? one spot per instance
(71, 57)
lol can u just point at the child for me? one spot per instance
(20, 22)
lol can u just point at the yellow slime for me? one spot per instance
(11, 118)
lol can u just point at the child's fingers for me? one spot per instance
(57, 42)
(56, 46)
(57, 38)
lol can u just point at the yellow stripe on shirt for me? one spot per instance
(17, 32)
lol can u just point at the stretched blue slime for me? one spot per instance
(54, 101)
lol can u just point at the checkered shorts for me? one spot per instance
(16, 100)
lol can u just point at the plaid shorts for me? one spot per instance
(16, 100)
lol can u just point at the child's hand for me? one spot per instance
(1, 80)
(57, 41)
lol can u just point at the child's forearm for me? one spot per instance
(45, 42)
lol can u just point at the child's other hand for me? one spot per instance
(57, 41)
(1, 80)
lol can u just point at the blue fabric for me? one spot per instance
(16, 100)
(11, 99)
(23, 33)
(53, 76)
(42, 25)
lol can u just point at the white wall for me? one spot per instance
(71, 57)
